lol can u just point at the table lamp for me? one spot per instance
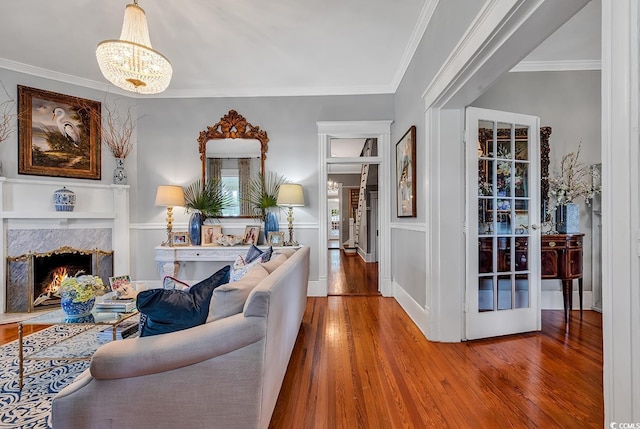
(290, 195)
(169, 196)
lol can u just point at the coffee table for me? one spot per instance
(57, 351)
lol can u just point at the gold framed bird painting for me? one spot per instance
(58, 135)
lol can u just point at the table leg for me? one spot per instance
(580, 292)
(20, 357)
(566, 297)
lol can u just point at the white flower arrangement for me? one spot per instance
(575, 180)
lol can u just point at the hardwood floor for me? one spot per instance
(360, 362)
(350, 275)
(9, 331)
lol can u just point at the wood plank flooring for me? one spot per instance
(350, 275)
(360, 362)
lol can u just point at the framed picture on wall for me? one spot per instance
(58, 135)
(406, 174)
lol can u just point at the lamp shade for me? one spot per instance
(169, 196)
(291, 195)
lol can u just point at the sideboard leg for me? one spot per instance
(580, 292)
(566, 297)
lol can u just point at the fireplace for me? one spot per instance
(33, 278)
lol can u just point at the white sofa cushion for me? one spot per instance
(229, 298)
(274, 263)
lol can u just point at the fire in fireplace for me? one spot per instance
(33, 278)
(50, 270)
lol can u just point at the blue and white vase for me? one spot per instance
(568, 218)
(76, 309)
(195, 228)
(119, 174)
(64, 200)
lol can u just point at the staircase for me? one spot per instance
(351, 246)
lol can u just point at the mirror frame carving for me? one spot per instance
(231, 126)
(485, 134)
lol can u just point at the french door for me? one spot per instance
(503, 211)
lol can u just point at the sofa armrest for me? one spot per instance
(149, 355)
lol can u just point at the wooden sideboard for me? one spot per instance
(561, 258)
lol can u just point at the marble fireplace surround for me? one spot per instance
(31, 224)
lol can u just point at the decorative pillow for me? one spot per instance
(266, 256)
(173, 283)
(274, 263)
(229, 298)
(252, 254)
(169, 310)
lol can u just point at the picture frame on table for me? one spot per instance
(406, 174)
(210, 235)
(58, 134)
(251, 234)
(180, 238)
(118, 282)
(276, 239)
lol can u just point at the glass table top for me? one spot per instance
(58, 317)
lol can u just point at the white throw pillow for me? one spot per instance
(229, 299)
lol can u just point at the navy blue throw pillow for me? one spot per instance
(169, 310)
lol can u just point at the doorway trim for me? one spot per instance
(493, 43)
(380, 130)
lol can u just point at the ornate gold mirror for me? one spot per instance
(233, 151)
(486, 134)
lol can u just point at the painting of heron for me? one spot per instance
(59, 135)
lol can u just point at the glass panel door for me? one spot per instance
(503, 271)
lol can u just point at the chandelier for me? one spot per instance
(332, 187)
(130, 63)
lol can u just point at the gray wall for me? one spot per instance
(408, 238)
(568, 102)
(168, 154)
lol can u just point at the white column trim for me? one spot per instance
(620, 211)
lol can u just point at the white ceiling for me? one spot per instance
(239, 47)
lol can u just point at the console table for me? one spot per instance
(168, 258)
(561, 258)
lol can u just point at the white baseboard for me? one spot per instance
(552, 300)
(317, 288)
(419, 315)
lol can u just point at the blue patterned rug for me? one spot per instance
(31, 407)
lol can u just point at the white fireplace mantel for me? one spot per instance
(28, 204)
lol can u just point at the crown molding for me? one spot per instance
(60, 77)
(196, 93)
(416, 36)
(561, 65)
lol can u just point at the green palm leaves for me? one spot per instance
(210, 199)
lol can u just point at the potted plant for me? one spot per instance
(206, 200)
(262, 196)
(78, 294)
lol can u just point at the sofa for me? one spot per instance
(225, 373)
